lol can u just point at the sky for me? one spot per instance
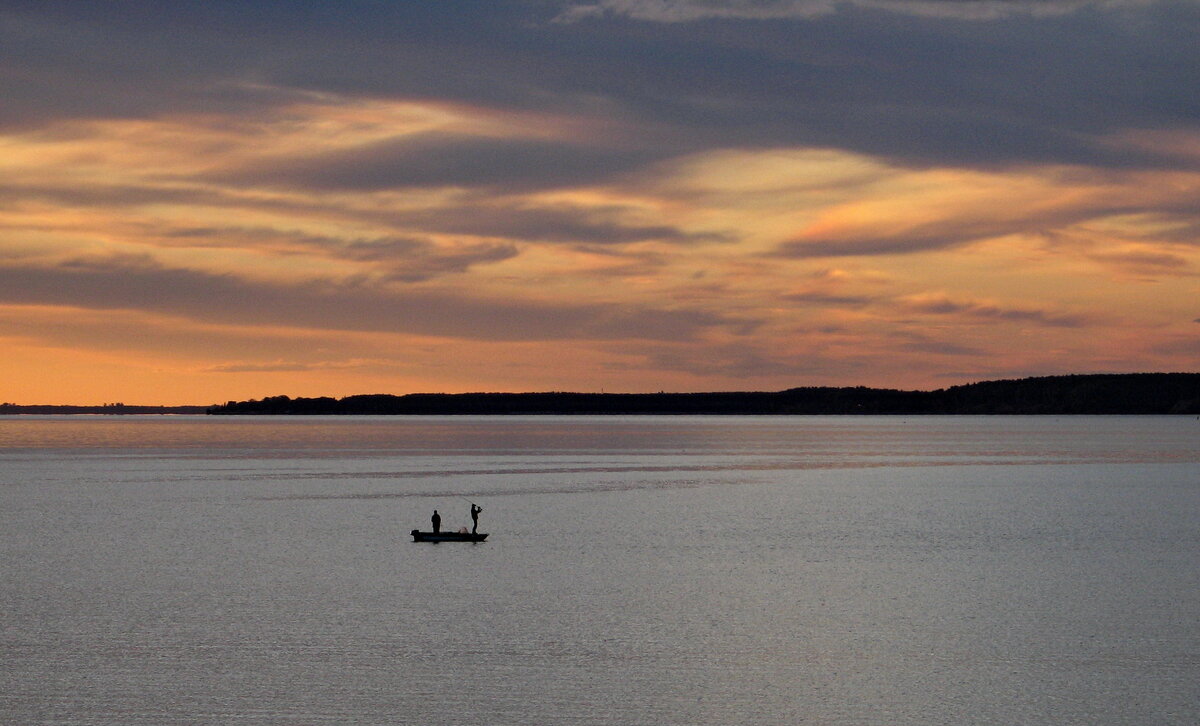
(202, 202)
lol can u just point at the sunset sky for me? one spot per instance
(204, 201)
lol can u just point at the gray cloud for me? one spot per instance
(1178, 346)
(108, 195)
(444, 262)
(914, 342)
(680, 11)
(816, 297)
(283, 241)
(1146, 262)
(479, 214)
(406, 259)
(986, 311)
(950, 234)
(916, 87)
(484, 215)
(140, 284)
(925, 90)
(474, 215)
(130, 61)
(561, 223)
(438, 159)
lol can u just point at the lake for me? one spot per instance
(639, 570)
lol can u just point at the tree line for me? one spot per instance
(1131, 393)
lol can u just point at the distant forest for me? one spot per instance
(1133, 393)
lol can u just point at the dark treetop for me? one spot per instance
(1133, 393)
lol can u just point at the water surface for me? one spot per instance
(651, 570)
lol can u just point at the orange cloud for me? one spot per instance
(131, 250)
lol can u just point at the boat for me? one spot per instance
(419, 536)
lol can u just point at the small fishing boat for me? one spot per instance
(419, 536)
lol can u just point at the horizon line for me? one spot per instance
(122, 406)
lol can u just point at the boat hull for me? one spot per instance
(419, 536)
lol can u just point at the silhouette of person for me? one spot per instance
(437, 521)
(475, 518)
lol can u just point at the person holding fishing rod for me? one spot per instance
(475, 510)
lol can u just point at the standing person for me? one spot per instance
(475, 518)
(437, 521)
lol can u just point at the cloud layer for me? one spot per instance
(619, 194)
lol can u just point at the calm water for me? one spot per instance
(697, 571)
